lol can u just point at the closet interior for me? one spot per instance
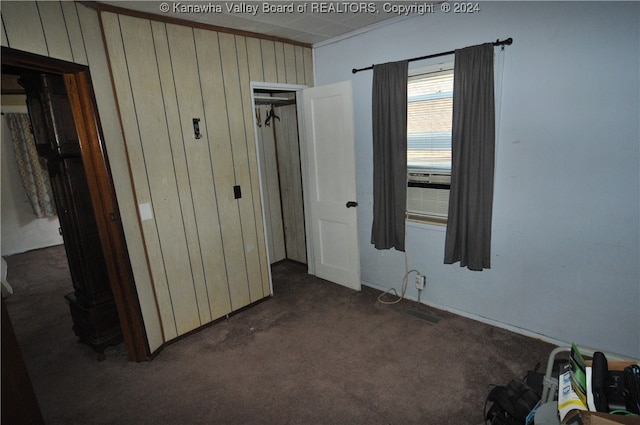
(281, 174)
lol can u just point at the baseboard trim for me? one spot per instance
(481, 319)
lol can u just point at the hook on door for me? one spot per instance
(196, 128)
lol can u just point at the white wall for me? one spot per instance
(565, 256)
(21, 230)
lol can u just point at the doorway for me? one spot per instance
(326, 154)
(101, 192)
(281, 177)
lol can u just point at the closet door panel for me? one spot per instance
(217, 116)
(135, 154)
(231, 56)
(156, 148)
(260, 287)
(201, 181)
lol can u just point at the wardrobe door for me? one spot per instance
(36, 108)
(66, 218)
(94, 287)
(95, 318)
(58, 110)
(52, 120)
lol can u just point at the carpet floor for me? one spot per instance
(313, 353)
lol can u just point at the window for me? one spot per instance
(429, 115)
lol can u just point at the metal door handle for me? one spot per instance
(352, 204)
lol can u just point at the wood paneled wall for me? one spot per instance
(71, 31)
(270, 186)
(50, 29)
(206, 249)
(288, 150)
(279, 151)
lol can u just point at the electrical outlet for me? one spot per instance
(420, 281)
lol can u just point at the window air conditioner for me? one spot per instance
(428, 193)
(428, 177)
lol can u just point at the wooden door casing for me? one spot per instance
(94, 156)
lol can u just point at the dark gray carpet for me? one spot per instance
(314, 353)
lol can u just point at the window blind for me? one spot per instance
(429, 114)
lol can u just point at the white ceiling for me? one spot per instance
(307, 23)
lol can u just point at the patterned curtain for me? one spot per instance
(32, 168)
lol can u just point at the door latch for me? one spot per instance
(352, 204)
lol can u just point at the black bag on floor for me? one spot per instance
(511, 404)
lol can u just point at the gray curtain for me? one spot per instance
(468, 237)
(389, 99)
(32, 168)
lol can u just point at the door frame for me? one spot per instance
(297, 89)
(101, 188)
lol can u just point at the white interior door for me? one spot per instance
(330, 162)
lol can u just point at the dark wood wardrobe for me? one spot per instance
(95, 318)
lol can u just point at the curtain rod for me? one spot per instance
(498, 42)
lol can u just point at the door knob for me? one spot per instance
(352, 204)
